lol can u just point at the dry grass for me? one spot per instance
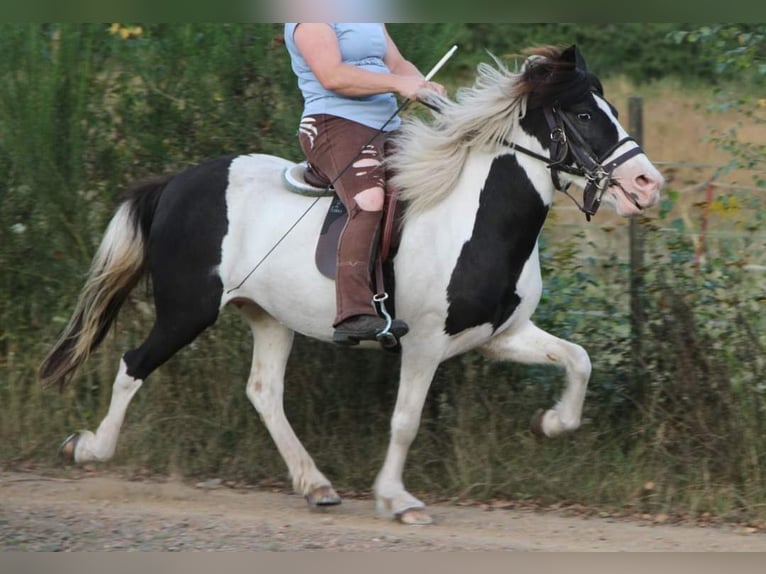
(677, 123)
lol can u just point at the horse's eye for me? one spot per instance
(584, 117)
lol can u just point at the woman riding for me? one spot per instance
(348, 74)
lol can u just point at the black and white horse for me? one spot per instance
(477, 181)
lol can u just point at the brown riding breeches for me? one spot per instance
(330, 144)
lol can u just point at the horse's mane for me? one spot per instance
(429, 156)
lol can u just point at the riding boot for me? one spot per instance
(353, 287)
(357, 318)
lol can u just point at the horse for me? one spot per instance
(476, 178)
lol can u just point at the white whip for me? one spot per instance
(441, 62)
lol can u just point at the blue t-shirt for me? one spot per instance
(362, 45)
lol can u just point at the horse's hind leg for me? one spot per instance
(272, 342)
(85, 445)
(532, 345)
(174, 328)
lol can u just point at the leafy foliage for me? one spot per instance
(738, 52)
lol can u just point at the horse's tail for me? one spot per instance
(117, 266)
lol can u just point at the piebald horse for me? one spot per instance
(477, 180)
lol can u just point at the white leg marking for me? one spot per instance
(531, 345)
(265, 389)
(102, 444)
(417, 371)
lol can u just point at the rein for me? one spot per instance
(566, 140)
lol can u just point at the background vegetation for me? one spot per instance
(85, 109)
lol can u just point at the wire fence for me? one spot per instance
(715, 215)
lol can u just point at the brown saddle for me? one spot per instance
(307, 180)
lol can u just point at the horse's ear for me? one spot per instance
(573, 55)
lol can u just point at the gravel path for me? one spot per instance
(103, 512)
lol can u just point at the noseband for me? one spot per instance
(567, 141)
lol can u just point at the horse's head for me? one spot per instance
(568, 114)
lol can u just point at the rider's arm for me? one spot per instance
(319, 47)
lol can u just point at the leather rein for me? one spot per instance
(566, 139)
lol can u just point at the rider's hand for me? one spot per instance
(409, 86)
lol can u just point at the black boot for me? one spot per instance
(366, 328)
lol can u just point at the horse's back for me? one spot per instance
(210, 199)
(256, 166)
(260, 209)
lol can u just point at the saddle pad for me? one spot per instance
(295, 180)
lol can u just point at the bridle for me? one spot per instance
(567, 141)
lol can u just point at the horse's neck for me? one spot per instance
(495, 191)
(510, 169)
(535, 169)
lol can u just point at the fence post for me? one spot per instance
(637, 313)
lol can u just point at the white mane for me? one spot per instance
(430, 156)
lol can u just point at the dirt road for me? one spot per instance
(106, 512)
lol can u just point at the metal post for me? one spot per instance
(637, 308)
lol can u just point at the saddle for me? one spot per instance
(304, 179)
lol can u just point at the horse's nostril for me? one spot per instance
(649, 182)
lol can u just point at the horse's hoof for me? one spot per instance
(323, 496)
(67, 448)
(536, 424)
(417, 516)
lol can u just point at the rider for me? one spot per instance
(347, 73)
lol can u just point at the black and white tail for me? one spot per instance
(117, 266)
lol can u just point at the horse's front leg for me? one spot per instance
(532, 345)
(417, 370)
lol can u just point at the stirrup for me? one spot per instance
(386, 338)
